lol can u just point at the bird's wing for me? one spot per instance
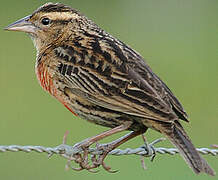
(106, 76)
(161, 88)
(126, 92)
(117, 103)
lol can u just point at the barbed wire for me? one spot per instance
(68, 151)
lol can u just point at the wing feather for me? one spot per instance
(123, 82)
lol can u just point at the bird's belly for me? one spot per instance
(96, 114)
(99, 120)
(105, 117)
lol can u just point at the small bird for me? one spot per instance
(101, 79)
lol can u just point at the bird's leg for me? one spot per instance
(85, 144)
(89, 141)
(106, 148)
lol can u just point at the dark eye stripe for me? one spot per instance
(61, 21)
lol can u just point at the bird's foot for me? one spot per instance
(81, 157)
(80, 151)
(83, 161)
(105, 149)
(96, 160)
(79, 154)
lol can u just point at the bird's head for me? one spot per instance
(49, 23)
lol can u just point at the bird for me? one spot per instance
(104, 81)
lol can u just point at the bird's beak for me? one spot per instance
(23, 25)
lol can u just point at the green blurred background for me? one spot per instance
(179, 41)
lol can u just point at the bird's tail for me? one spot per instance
(180, 139)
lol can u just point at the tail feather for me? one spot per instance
(180, 139)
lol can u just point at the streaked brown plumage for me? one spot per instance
(104, 81)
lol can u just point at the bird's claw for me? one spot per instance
(96, 161)
(105, 148)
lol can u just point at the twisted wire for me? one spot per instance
(68, 151)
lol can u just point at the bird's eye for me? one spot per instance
(46, 21)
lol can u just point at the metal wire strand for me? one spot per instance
(68, 151)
